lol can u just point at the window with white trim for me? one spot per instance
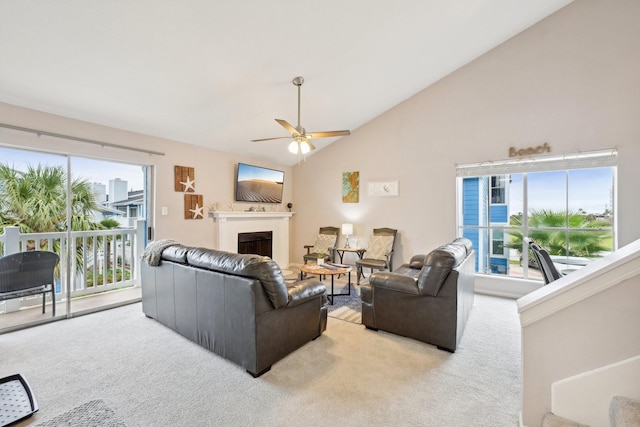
(565, 203)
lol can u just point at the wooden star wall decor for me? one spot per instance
(185, 179)
(185, 182)
(193, 206)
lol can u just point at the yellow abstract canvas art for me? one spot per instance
(350, 187)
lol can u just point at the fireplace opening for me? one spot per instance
(255, 243)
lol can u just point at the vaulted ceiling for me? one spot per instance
(217, 73)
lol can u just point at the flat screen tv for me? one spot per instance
(258, 184)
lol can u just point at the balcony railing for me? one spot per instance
(90, 261)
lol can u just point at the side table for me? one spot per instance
(359, 251)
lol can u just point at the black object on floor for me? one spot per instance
(16, 400)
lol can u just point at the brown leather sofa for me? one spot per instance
(238, 306)
(428, 299)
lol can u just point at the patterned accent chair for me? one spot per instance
(379, 254)
(326, 243)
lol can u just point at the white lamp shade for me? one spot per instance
(304, 147)
(293, 147)
(347, 229)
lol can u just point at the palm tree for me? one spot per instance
(581, 243)
(35, 201)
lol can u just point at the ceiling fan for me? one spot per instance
(301, 143)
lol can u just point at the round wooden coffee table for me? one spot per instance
(327, 270)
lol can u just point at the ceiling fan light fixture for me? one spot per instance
(304, 147)
(293, 147)
(301, 140)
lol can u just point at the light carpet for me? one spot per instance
(349, 376)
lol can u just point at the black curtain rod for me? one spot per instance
(75, 138)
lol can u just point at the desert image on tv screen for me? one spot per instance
(259, 185)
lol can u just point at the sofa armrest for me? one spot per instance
(417, 261)
(394, 282)
(305, 290)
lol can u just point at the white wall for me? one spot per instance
(572, 80)
(214, 170)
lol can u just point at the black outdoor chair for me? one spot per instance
(28, 273)
(545, 264)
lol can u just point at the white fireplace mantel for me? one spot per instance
(229, 223)
(252, 215)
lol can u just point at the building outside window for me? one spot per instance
(565, 203)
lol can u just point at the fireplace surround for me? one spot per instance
(227, 226)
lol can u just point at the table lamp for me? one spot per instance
(347, 230)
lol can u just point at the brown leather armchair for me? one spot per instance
(428, 299)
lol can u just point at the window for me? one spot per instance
(497, 242)
(498, 189)
(566, 204)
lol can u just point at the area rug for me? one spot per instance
(93, 413)
(345, 307)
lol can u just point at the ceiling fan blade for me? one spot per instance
(288, 127)
(328, 134)
(311, 146)
(270, 139)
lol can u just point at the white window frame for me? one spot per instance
(584, 160)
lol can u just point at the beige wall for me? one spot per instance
(572, 80)
(214, 170)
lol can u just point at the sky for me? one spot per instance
(90, 169)
(589, 190)
(253, 172)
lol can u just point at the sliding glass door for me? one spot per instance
(95, 221)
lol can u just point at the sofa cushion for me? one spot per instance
(176, 253)
(394, 281)
(407, 270)
(457, 251)
(255, 266)
(437, 266)
(464, 242)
